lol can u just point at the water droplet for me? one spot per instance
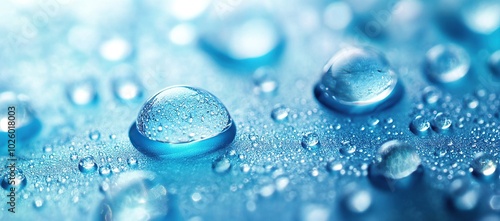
(280, 113)
(310, 141)
(247, 41)
(337, 15)
(192, 122)
(15, 178)
(495, 202)
(464, 195)
(47, 148)
(127, 89)
(358, 201)
(494, 63)
(282, 183)
(347, 149)
(94, 135)
(313, 212)
(131, 161)
(446, 63)
(441, 122)
(221, 165)
(267, 190)
(83, 93)
(481, 16)
(264, 80)
(471, 101)
(357, 81)
(483, 165)
(138, 195)
(373, 121)
(73, 156)
(334, 166)
(105, 170)
(419, 125)
(27, 124)
(38, 202)
(87, 165)
(245, 168)
(397, 159)
(431, 95)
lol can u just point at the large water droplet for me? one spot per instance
(87, 165)
(481, 17)
(16, 108)
(182, 121)
(397, 159)
(280, 113)
(419, 125)
(310, 141)
(138, 195)
(357, 81)
(483, 165)
(14, 178)
(441, 122)
(446, 63)
(244, 38)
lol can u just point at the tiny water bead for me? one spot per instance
(310, 141)
(14, 178)
(83, 93)
(16, 108)
(419, 125)
(87, 165)
(358, 81)
(397, 159)
(441, 122)
(182, 121)
(94, 135)
(446, 63)
(132, 161)
(483, 165)
(221, 165)
(138, 195)
(280, 113)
